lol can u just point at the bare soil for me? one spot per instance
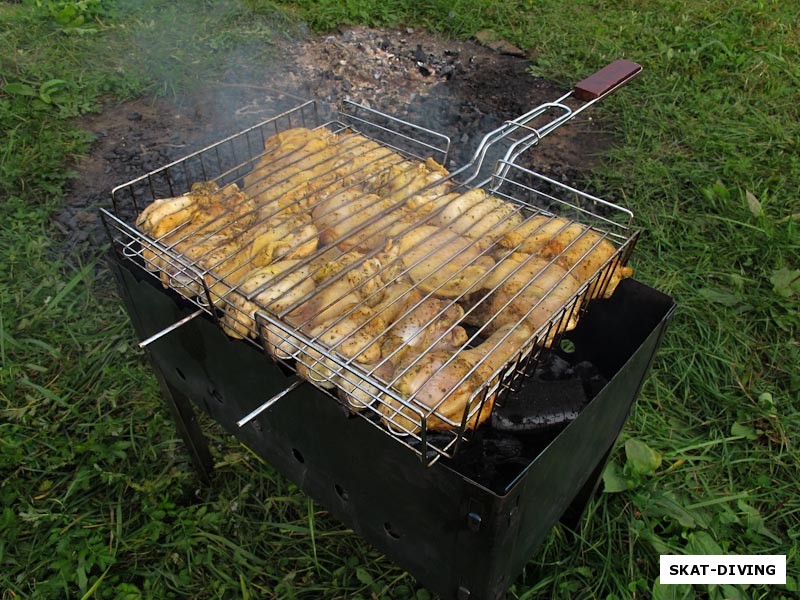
(460, 88)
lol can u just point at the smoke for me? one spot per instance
(216, 49)
(239, 64)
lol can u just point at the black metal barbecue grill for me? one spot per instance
(459, 497)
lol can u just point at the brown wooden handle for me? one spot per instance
(606, 79)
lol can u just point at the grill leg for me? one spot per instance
(574, 513)
(180, 407)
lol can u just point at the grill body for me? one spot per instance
(456, 537)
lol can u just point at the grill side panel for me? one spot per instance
(457, 538)
(621, 336)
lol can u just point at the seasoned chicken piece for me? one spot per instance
(205, 209)
(227, 209)
(396, 297)
(319, 169)
(440, 387)
(427, 204)
(172, 212)
(184, 267)
(294, 180)
(345, 322)
(224, 237)
(441, 261)
(324, 165)
(361, 161)
(329, 300)
(407, 417)
(478, 216)
(292, 233)
(292, 139)
(357, 390)
(288, 191)
(414, 183)
(524, 288)
(354, 220)
(458, 204)
(353, 335)
(575, 247)
(362, 273)
(399, 296)
(320, 261)
(217, 260)
(426, 326)
(273, 288)
(221, 260)
(301, 241)
(389, 258)
(286, 180)
(194, 225)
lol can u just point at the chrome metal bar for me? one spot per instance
(210, 147)
(170, 329)
(522, 188)
(253, 414)
(348, 108)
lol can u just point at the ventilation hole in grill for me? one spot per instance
(342, 492)
(390, 531)
(180, 374)
(216, 395)
(298, 456)
(567, 346)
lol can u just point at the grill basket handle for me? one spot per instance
(606, 80)
(586, 92)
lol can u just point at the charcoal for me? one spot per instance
(593, 380)
(552, 367)
(501, 447)
(435, 439)
(493, 458)
(541, 405)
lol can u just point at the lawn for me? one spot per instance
(98, 497)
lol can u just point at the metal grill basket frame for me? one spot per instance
(229, 160)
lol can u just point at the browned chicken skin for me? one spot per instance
(441, 385)
(523, 287)
(574, 246)
(441, 261)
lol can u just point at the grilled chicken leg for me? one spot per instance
(574, 246)
(440, 386)
(523, 288)
(440, 261)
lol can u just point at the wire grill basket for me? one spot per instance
(449, 314)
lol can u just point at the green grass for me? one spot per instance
(98, 497)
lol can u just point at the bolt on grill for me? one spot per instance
(342, 248)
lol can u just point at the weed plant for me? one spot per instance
(97, 498)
